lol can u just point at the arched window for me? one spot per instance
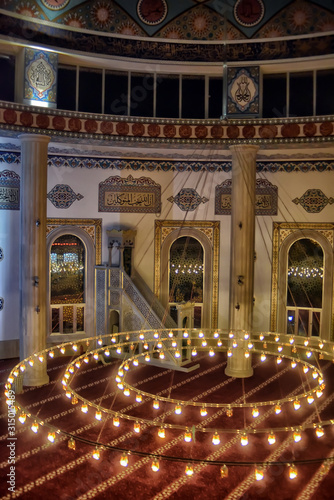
(305, 287)
(186, 268)
(67, 284)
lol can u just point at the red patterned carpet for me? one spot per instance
(45, 470)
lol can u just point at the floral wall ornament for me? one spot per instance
(62, 196)
(188, 199)
(313, 201)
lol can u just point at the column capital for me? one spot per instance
(34, 138)
(240, 148)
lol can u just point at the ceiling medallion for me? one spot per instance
(55, 4)
(249, 13)
(152, 12)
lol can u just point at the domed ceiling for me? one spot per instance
(184, 19)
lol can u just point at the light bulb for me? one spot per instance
(277, 338)
(68, 394)
(135, 362)
(145, 345)
(255, 412)
(279, 360)
(99, 341)
(107, 352)
(219, 343)
(280, 348)
(308, 354)
(139, 398)
(124, 460)
(306, 342)
(51, 437)
(86, 359)
(246, 336)
(244, 439)
(246, 354)
(224, 471)
(305, 369)
(120, 386)
(156, 335)
(319, 393)
(96, 356)
(156, 404)
(271, 438)
(187, 436)
(171, 334)
(234, 344)
(159, 345)
(51, 354)
(278, 409)
(229, 353)
(141, 336)
(62, 350)
(115, 421)
(177, 354)
(201, 334)
(211, 352)
(204, 343)
(126, 392)
(293, 364)
(162, 355)
(194, 352)
(113, 339)
(155, 465)
(216, 335)
(315, 374)
(84, 408)
(75, 347)
(98, 415)
(71, 444)
(321, 345)
(292, 472)
(189, 470)
(34, 427)
(296, 404)
(41, 358)
(291, 340)
(261, 337)
(126, 366)
(147, 358)
(319, 431)
(229, 412)
(162, 433)
(250, 345)
(310, 399)
(259, 473)
(119, 350)
(216, 438)
(178, 409)
(263, 357)
(231, 335)
(136, 427)
(22, 418)
(297, 436)
(203, 412)
(185, 334)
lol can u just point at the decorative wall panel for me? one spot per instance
(188, 199)
(266, 198)
(243, 91)
(40, 78)
(313, 201)
(117, 194)
(62, 196)
(9, 190)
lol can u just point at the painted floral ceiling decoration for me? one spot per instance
(184, 19)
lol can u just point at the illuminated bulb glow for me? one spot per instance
(71, 444)
(126, 392)
(96, 356)
(315, 374)
(229, 353)
(244, 440)
(74, 400)
(136, 427)
(86, 359)
(162, 355)
(194, 352)
(174, 343)
(219, 343)
(297, 436)
(224, 471)
(156, 335)
(171, 334)
(156, 405)
(107, 352)
(31, 361)
(234, 344)
(280, 348)
(310, 399)
(211, 352)
(292, 472)
(261, 337)
(216, 438)
(159, 345)
(201, 335)
(189, 470)
(68, 394)
(216, 335)
(291, 340)
(319, 431)
(250, 345)
(62, 350)
(98, 415)
(277, 338)
(147, 357)
(177, 353)
(293, 364)
(96, 454)
(84, 408)
(51, 437)
(305, 369)
(319, 393)
(296, 404)
(135, 362)
(204, 343)
(139, 398)
(308, 354)
(306, 342)
(231, 335)
(259, 473)
(229, 412)
(41, 358)
(22, 418)
(100, 341)
(278, 409)
(263, 357)
(187, 436)
(203, 412)
(246, 336)
(120, 372)
(178, 409)
(119, 350)
(246, 354)
(115, 421)
(271, 438)
(120, 386)
(141, 336)
(185, 334)
(321, 345)
(162, 433)
(113, 339)
(279, 360)
(51, 354)
(255, 412)
(75, 347)
(155, 465)
(71, 369)
(78, 364)
(126, 367)
(34, 427)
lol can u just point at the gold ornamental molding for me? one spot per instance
(281, 230)
(93, 227)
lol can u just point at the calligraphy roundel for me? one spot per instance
(55, 4)
(152, 12)
(249, 13)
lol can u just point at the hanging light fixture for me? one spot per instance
(34, 427)
(162, 432)
(155, 465)
(259, 473)
(255, 412)
(139, 397)
(189, 470)
(244, 439)
(271, 438)
(297, 436)
(188, 436)
(124, 460)
(136, 427)
(116, 421)
(292, 472)
(203, 411)
(156, 404)
(216, 438)
(223, 471)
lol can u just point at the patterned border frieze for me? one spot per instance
(18, 118)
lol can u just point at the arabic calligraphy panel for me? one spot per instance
(9, 190)
(265, 198)
(129, 195)
(243, 91)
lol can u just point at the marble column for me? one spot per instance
(33, 259)
(242, 257)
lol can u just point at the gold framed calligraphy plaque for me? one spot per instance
(141, 195)
(9, 190)
(265, 198)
